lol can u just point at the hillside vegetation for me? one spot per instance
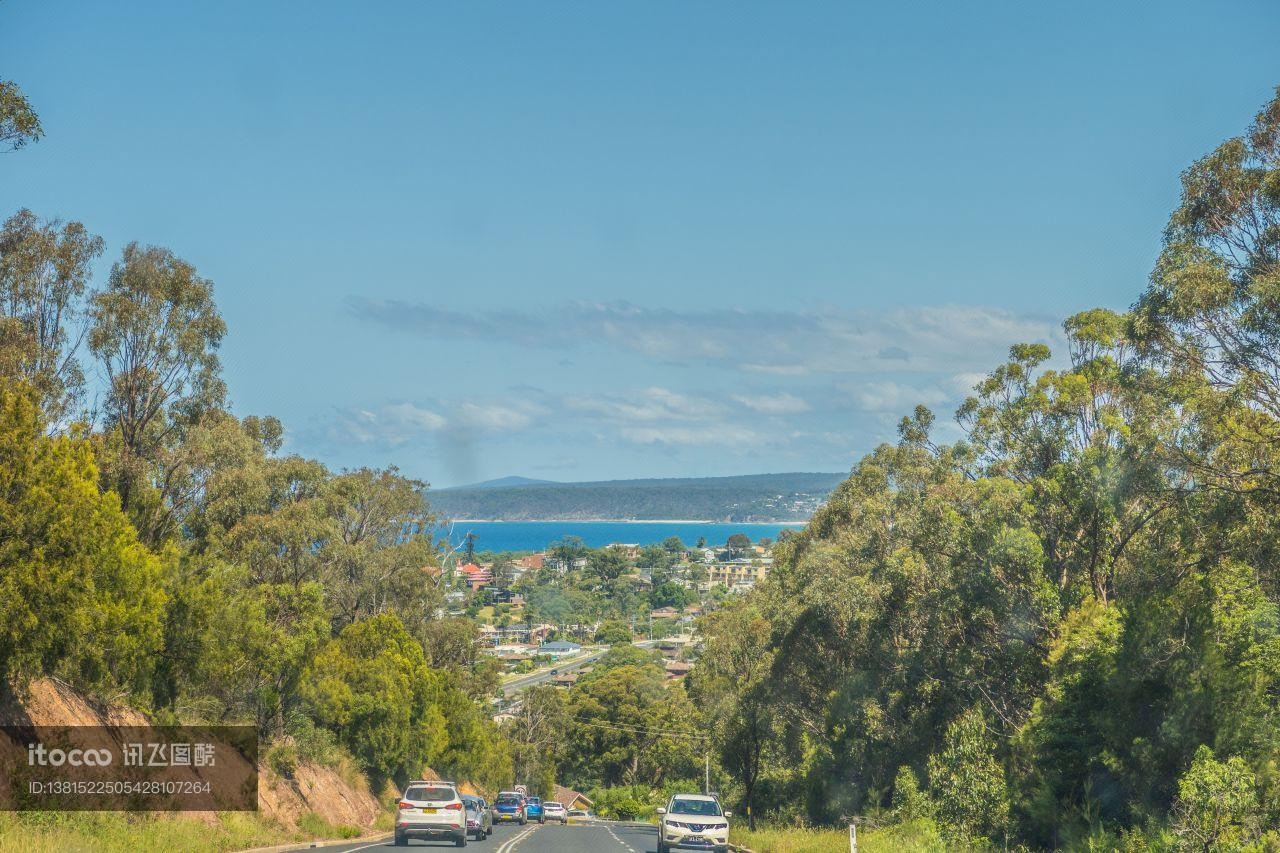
(161, 554)
(1062, 630)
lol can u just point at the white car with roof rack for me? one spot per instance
(431, 810)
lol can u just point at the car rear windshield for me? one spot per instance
(554, 805)
(709, 808)
(535, 800)
(508, 799)
(429, 793)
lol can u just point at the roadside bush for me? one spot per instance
(634, 803)
(282, 758)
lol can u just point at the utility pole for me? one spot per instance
(706, 771)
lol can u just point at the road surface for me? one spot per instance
(600, 837)
(543, 675)
(517, 684)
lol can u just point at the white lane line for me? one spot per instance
(510, 845)
(619, 840)
(381, 843)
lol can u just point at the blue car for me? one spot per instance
(533, 809)
(509, 808)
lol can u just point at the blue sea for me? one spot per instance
(537, 535)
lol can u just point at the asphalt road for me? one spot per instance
(518, 684)
(602, 837)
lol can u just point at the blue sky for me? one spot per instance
(596, 240)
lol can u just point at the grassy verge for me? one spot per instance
(113, 832)
(907, 838)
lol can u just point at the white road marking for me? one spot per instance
(381, 843)
(510, 845)
(619, 840)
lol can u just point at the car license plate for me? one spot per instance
(430, 811)
(696, 839)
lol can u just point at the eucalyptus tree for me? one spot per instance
(155, 333)
(45, 269)
(19, 123)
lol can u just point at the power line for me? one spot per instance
(644, 730)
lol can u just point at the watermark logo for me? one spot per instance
(38, 755)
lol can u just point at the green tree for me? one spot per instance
(44, 272)
(79, 595)
(732, 685)
(371, 685)
(607, 564)
(566, 551)
(259, 643)
(968, 783)
(626, 728)
(155, 333)
(454, 645)
(1217, 807)
(374, 563)
(19, 123)
(739, 544)
(536, 731)
(613, 632)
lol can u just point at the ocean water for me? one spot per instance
(537, 535)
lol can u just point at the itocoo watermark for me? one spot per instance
(38, 755)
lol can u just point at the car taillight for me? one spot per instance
(454, 806)
(404, 804)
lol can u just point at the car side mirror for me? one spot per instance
(662, 812)
(728, 815)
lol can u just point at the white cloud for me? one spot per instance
(719, 435)
(650, 404)
(395, 424)
(930, 339)
(773, 404)
(408, 415)
(493, 417)
(896, 397)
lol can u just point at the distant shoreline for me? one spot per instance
(614, 521)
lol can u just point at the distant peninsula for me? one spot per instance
(747, 498)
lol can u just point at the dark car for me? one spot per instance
(479, 817)
(509, 808)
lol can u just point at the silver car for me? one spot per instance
(479, 817)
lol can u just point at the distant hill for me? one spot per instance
(753, 497)
(508, 483)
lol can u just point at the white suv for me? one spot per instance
(693, 822)
(431, 810)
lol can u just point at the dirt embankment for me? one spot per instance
(337, 798)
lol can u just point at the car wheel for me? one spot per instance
(401, 841)
(461, 841)
(662, 848)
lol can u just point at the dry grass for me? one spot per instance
(112, 832)
(909, 838)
